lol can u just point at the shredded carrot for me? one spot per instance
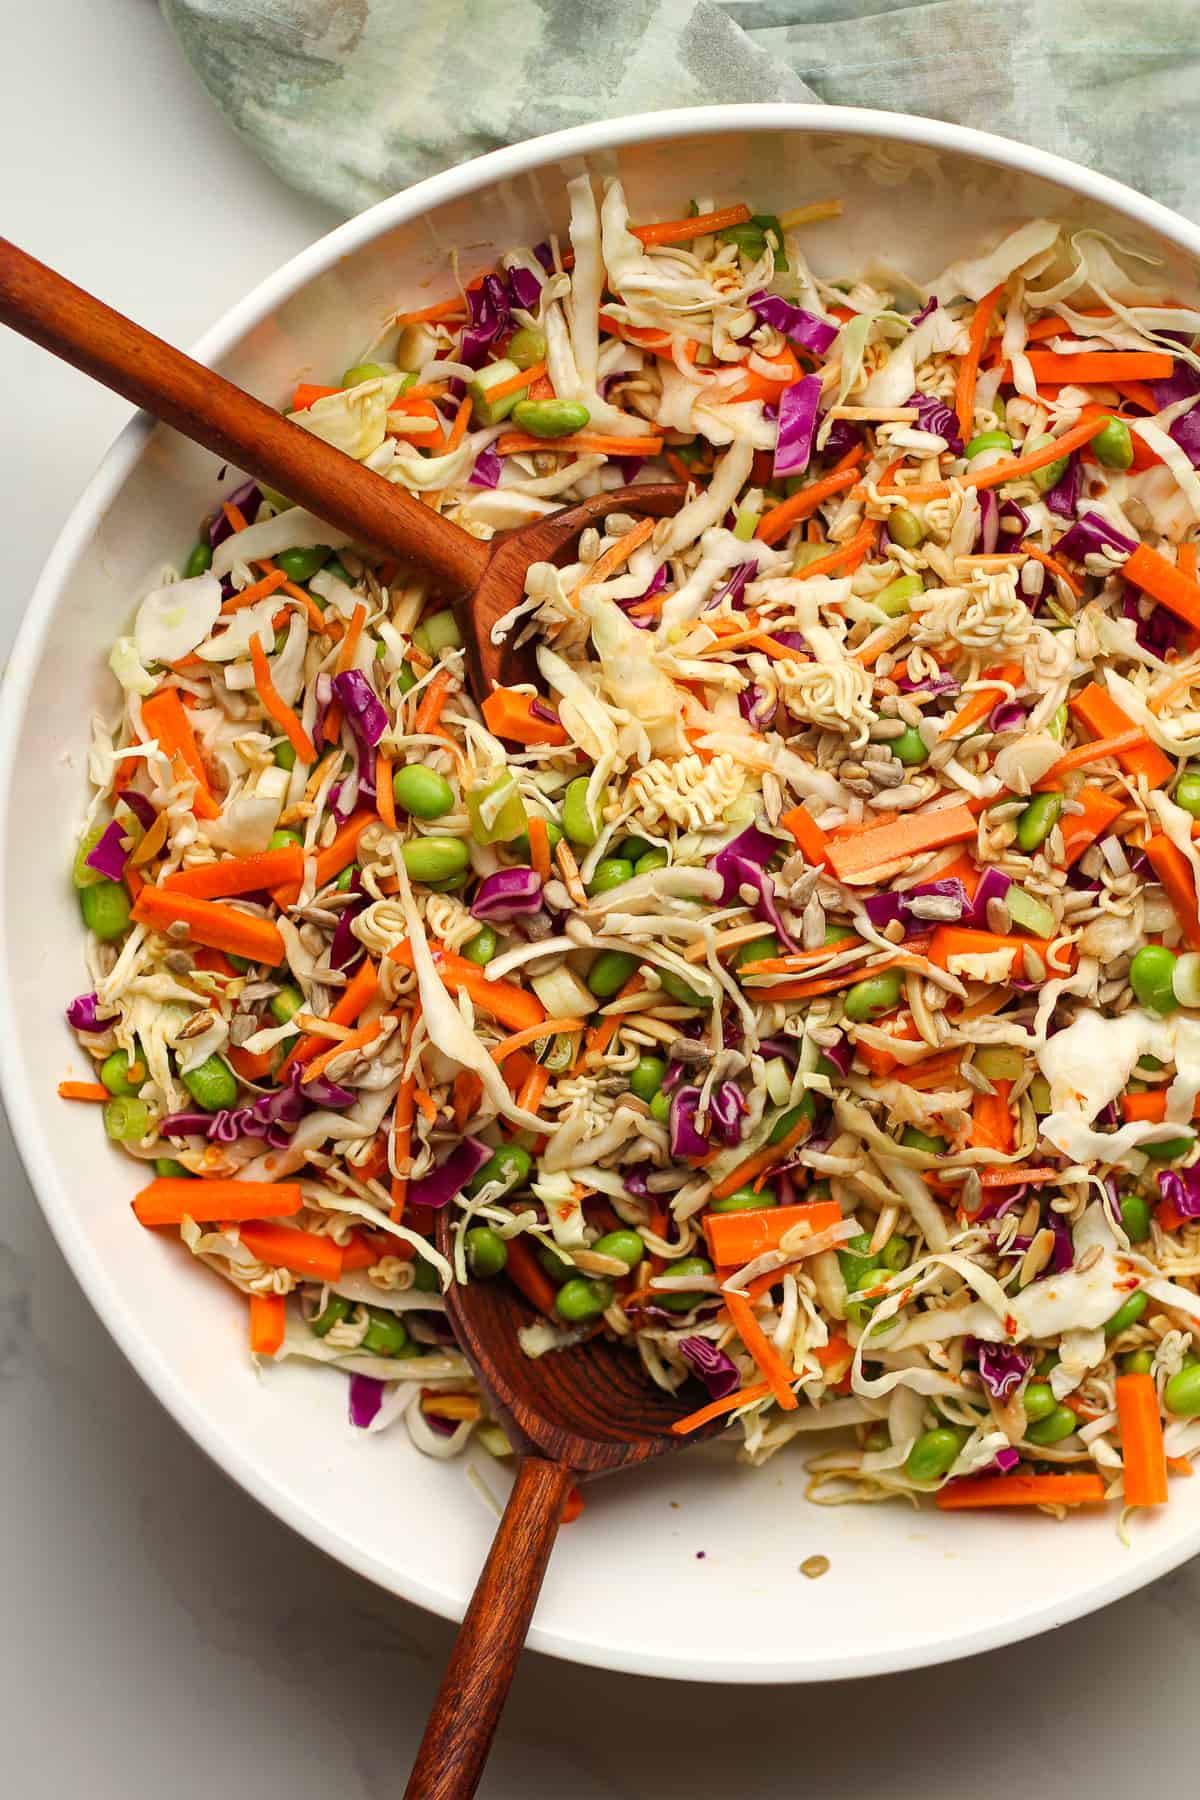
(234, 875)
(790, 964)
(931, 1073)
(1097, 751)
(949, 941)
(534, 1086)
(744, 1397)
(345, 658)
(681, 231)
(1164, 581)
(513, 1006)
(465, 1096)
(385, 799)
(992, 1121)
(1015, 1174)
(336, 856)
(268, 1313)
(438, 313)
(539, 846)
(617, 555)
(1082, 368)
(847, 556)
(775, 524)
(234, 514)
(507, 713)
(897, 842)
(1105, 719)
(316, 618)
(841, 978)
(979, 704)
(1020, 1490)
(258, 591)
(164, 718)
(998, 473)
(756, 384)
(515, 383)
(778, 1374)
(736, 1238)
(429, 707)
(277, 708)
(530, 1035)
(426, 1105)
(353, 1002)
(517, 443)
(1174, 872)
(171, 1199)
(358, 1040)
(458, 428)
(211, 922)
(527, 1274)
(808, 835)
(760, 1162)
(1081, 829)
(1179, 1465)
(303, 1252)
(968, 369)
(1141, 1441)
(83, 1090)
(1056, 568)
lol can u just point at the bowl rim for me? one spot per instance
(36, 1152)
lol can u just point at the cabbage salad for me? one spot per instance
(801, 983)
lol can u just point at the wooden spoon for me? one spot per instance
(579, 1412)
(572, 1414)
(482, 580)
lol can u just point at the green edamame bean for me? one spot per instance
(167, 1169)
(1050, 474)
(105, 908)
(757, 950)
(283, 837)
(558, 1268)
(385, 1335)
(877, 994)
(1127, 1314)
(626, 1246)
(896, 598)
(745, 1199)
(1187, 792)
(435, 858)
(646, 1077)
(1135, 1217)
(286, 1004)
(550, 418)
(660, 1107)
(580, 1299)
(857, 1264)
(126, 1119)
(510, 1165)
(678, 989)
(788, 1120)
(422, 792)
(653, 859)
(1053, 1428)
(989, 440)
(336, 1308)
(426, 1279)
(934, 1454)
(527, 347)
(482, 947)
(904, 528)
(212, 1085)
(684, 1300)
(632, 848)
(1138, 1362)
(199, 560)
(283, 755)
(1150, 977)
(81, 874)
(120, 1076)
(579, 823)
(439, 631)
(609, 972)
(1039, 1401)
(487, 1252)
(611, 872)
(1038, 820)
(1168, 1149)
(302, 565)
(1113, 445)
(1182, 1392)
(909, 748)
(913, 1139)
(360, 372)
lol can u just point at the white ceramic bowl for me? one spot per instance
(691, 1568)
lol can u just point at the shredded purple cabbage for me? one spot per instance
(487, 470)
(1158, 631)
(803, 328)
(1186, 433)
(717, 1371)
(1002, 1368)
(685, 1139)
(919, 318)
(447, 1181)
(1180, 384)
(1181, 1188)
(525, 288)
(1063, 497)
(734, 588)
(108, 854)
(1090, 534)
(935, 416)
(82, 1013)
(366, 1398)
(508, 894)
(797, 425)
(931, 684)
(897, 908)
(141, 806)
(368, 717)
(1006, 715)
(756, 707)
(247, 499)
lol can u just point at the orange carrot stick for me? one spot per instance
(979, 704)
(515, 383)
(1102, 716)
(681, 231)
(618, 554)
(845, 556)
(1020, 1490)
(1100, 748)
(276, 707)
(508, 714)
(1000, 472)
(1174, 872)
(778, 1375)
(736, 1238)
(1081, 829)
(385, 798)
(832, 984)
(238, 874)
(332, 860)
(164, 718)
(1083, 367)
(743, 1397)
(1142, 1441)
(355, 998)
(259, 591)
(402, 1124)
(503, 1000)
(171, 1199)
(527, 1274)
(775, 524)
(516, 443)
(303, 1252)
(949, 941)
(268, 1313)
(83, 1090)
(539, 846)
(968, 369)
(358, 1040)
(1162, 580)
(530, 1035)
(992, 1121)
(211, 922)
(760, 1162)
(429, 707)
(897, 842)
(808, 835)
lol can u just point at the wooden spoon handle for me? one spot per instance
(63, 318)
(475, 1686)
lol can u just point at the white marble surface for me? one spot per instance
(162, 1634)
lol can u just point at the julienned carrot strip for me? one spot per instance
(1119, 744)
(530, 1035)
(268, 1314)
(932, 1072)
(337, 856)
(736, 1238)
(277, 708)
(992, 1121)
(680, 231)
(515, 383)
(83, 1090)
(164, 718)
(211, 922)
(1020, 1490)
(778, 1375)
(503, 1000)
(618, 554)
(238, 874)
(454, 308)
(516, 443)
(385, 798)
(1141, 1441)
(968, 369)
(303, 1252)
(950, 941)
(1081, 829)
(746, 1396)
(1162, 580)
(355, 998)
(171, 1199)
(831, 984)
(251, 1066)
(402, 1124)
(458, 428)
(539, 846)
(978, 705)
(1001, 472)
(1057, 569)
(1083, 367)
(525, 1273)
(845, 556)
(760, 1162)
(259, 591)
(1012, 1175)
(756, 385)
(808, 835)
(345, 659)
(429, 706)
(1105, 719)
(791, 964)
(358, 1040)
(1149, 1108)
(510, 714)
(897, 842)
(1174, 872)
(776, 523)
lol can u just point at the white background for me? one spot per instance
(162, 1635)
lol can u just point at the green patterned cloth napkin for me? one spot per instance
(353, 99)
